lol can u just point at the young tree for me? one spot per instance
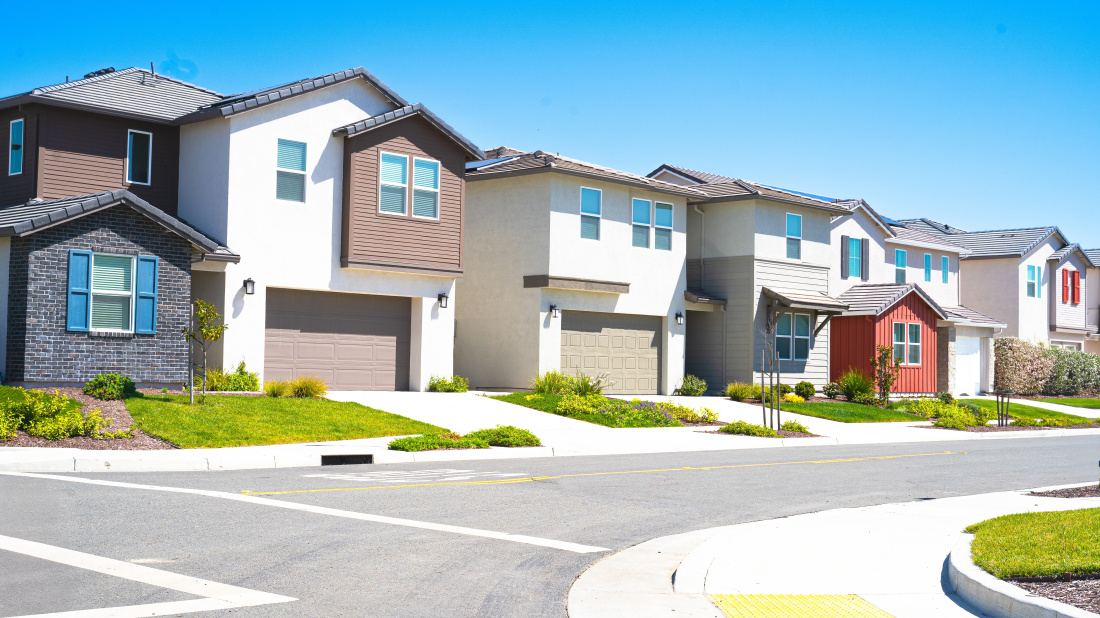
(885, 370)
(206, 327)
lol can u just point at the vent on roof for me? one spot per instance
(99, 72)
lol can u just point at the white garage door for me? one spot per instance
(968, 365)
(627, 347)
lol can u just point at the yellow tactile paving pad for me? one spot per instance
(796, 606)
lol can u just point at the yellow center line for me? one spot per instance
(528, 479)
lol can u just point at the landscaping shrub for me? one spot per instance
(794, 426)
(792, 398)
(970, 407)
(955, 417)
(456, 384)
(831, 390)
(685, 414)
(865, 399)
(585, 385)
(927, 408)
(1043, 422)
(277, 388)
(805, 389)
(436, 441)
(884, 371)
(1020, 366)
(505, 435)
(108, 386)
(853, 383)
(785, 389)
(1071, 372)
(308, 386)
(9, 422)
(239, 380)
(619, 413)
(739, 391)
(748, 429)
(53, 417)
(692, 386)
(573, 403)
(552, 383)
(946, 397)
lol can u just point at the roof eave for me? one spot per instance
(927, 245)
(426, 114)
(835, 210)
(546, 168)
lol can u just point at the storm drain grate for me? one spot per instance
(346, 460)
(796, 606)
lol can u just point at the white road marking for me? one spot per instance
(214, 595)
(321, 510)
(414, 476)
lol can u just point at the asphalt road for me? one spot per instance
(335, 563)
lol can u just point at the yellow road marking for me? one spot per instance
(529, 479)
(796, 606)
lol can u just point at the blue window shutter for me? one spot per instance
(78, 313)
(145, 295)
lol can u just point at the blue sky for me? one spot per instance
(984, 115)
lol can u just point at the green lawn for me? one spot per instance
(248, 421)
(1075, 402)
(549, 403)
(849, 412)
(1038, 544)
(1015, 408)
(619, 413)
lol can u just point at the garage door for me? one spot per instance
(968, 365)
(625, 346)
(351, 341)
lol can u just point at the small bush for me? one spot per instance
(308, 386)
(573, 403)
(552, 383)
(785, 389)
(1021, 366)
(9, 422)
(805, 389)
(505, 435)
(739, 391)
(865, 399)
(794, 426)
(854, 383)
(748, 429)
(53, 417)
(792, 398)
(277, 388)
(436, 441)
(585, 385)
(946, 397)
(831, 390)
(970, 407)
(110, 386)
(685, 414)
(927, 408)
(692, 386)
(1026, 422)
(237, 381)
(455, 384)
(956, 417)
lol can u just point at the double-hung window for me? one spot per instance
(15, 147)
(139, 157)
(907, 343)
(945, 267)
(290, 172)
(928, 267)
(794, 237)
(662, 226)
(591, 209)
(792, 336)
(899, 265)
(640, 219)
(393, 183)
(1035, 281)
(112, 293)
(425, 188)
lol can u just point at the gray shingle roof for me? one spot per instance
(1094, 255)
(931, 227)
(1004, 243)
(34, 216)
(1062, 253)
(805, 300)
(243, 102)
(922, 239)
(690, 174)
(502, 151)
(875, 298)
(408, 111)
(968, 316)
(725, 188)
(132, 93)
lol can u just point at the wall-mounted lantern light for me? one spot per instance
(679, 319)
(249, 286)
(443, 301)
(554, 311)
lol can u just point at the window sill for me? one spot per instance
(111, 334)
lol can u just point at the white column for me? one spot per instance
(674, 347)
(246, 318)
(432, 340)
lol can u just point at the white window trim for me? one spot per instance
(795, 336)
(945, 266)
(92, 292)
(413, 188)
(928, 268)
(406, 206)
(786, 233)
(672, 212)
(129, 156)
(649, 226)
(22, 144)
(599, 217)
(904, 267)
(907, 343)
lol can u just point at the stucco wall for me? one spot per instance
(1067, 314)
(770, 224)
(995, 287)
(1035, 313)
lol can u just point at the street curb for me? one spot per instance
(995, 597)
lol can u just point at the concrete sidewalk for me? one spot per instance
(890, 555)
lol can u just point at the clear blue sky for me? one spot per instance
(983, 115)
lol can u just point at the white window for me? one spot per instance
(945, 267)
(907, 343)
(15, 147)
(1035, 281)
(662, 226)
(640, 218)
(591, 209)
(794, 237)
(899, 265)
(290, 171)
(112, 292)
(393, 183)
(139, 158)
(792, 336)
(425, 188)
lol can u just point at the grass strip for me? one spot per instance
(1038, 544)
(1076, 402)
(1015, 408)
(846, 412)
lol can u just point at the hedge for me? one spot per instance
(1028, 368)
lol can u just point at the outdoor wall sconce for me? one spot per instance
(554, 311)
(249, 286)
(679, 319)
(443, 301)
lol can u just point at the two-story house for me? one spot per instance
(1031, 279)
(575, 267)
(758, 261)
(902, 288)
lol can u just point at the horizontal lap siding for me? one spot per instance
(912, 309)
(374, 237)
(19, 188)
(1069, 315)
(795, 278)
(853, 344)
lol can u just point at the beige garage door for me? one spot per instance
(351, 341)
(626, 346)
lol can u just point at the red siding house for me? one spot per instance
(899, 316)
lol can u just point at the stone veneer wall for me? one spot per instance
(945, 359)
(39, 347)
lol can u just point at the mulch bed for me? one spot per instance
(994, 428)
(782, 434)
(120, 419)
(1088, 491)
(1083, 594)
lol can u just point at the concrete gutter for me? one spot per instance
(997, 597)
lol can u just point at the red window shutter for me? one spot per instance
(1076, 287)
(1065, 285)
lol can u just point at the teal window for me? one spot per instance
(290, 172)
(662, 226)
(783, 332)
(792, 336)
(945, 266)
(139, 158)
(640, 217)
(914, 344)
(855, 258)
(591, 211)
(426, 188)
(801, 336)
(899, 342)
(907, 342)
(794, 237)
(1034, 279)
(928, 267)
(900, 258)
(393, 183)
(15, 147)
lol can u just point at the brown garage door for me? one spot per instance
(351, 341)
(626, 346)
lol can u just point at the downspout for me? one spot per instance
(702, 254)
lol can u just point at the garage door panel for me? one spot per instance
(624, 346)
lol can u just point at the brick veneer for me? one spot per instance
(39, 347)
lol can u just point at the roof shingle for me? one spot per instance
(417, 109)
(876, 298)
